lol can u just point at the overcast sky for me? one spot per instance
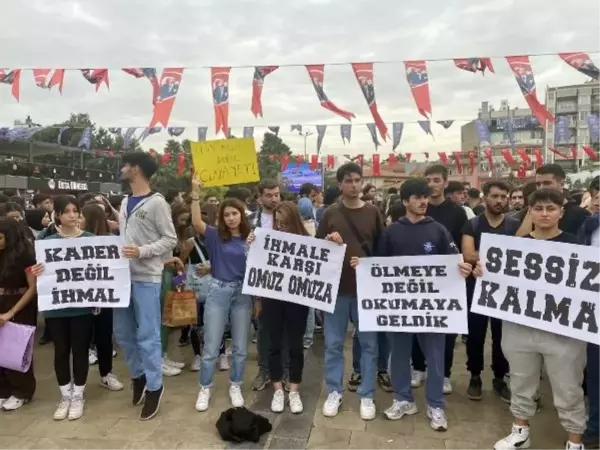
(202, 33)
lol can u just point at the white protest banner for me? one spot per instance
(86, 272)
(412, 294)
(294, 268)
(549, 286)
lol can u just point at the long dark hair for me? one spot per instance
(16, 245)
(224, 232)
(177, 209)
(294, 222)
(95, 220)
(60, 206)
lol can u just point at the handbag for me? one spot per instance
(16, 346)
(180, 309)
(197, 283)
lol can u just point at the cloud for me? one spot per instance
(199, 34)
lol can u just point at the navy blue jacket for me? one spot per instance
(426, 237)
(590, 225)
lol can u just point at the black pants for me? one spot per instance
(194, 334)
(418, 359)
(71, 336)
(284, 321)
(103, 338)
(478, 325)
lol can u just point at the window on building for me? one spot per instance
(583, 115)
(584, 99)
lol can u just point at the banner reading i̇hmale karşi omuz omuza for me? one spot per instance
(85, 272)
(294, 268)
(411, 294)
(551, 286)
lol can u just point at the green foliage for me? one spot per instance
(269, 156)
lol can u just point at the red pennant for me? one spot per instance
(458, 162)
(366, 81)
(488, 154)
(392, 160)
(581, 62)
(360, 160)
(539, 159)
(164, 160)
(170, 80)
(96, 77)
(376, 165)
(508, 157)
(258, 80)
(284, 162)
(443, 158)
(40, 76)
(472, 162)
(524, 157)
(57, 79)
(590, 152)
(314, 162)
(12, 77)
(408, 156)
(474, 64)
(573, 152)
(521, 67)
(521, 171)
(180, 163)
(330, 161)
(219, 80)
(316, 73)
(418, 80)
(559, 153)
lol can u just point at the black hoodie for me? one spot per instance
(426, 237)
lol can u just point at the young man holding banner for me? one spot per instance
(526, 347)
(414, 235)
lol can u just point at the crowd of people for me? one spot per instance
(207, 239)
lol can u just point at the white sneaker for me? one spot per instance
(572, 446)
(368, 411)
(12, 404)
(418, 378)
(400, 409)
(92, 357)
(235, 395)
(114, 353)
(2, 401)
(517, 439)
(296, 406)
(76, 408)
(447, 386)
(203, 399)
(223, 363)
(437, 419)
(111, 382)
(169, 362)
(195, 366)
(278, 402)
(62, 409)
(170, 371)
(331, 407)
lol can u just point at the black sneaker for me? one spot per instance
(384, 382)
(355, 380)
(138, 385)
(502, 389)
(261, 381)
(474, 391)
(150, 408)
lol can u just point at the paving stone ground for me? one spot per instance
(111, 422)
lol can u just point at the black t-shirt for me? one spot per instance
(573, 218)
(16, 277)
(564, 237)
(451, 215)
(479, 225)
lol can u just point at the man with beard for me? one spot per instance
(517, 200)
(493, 220)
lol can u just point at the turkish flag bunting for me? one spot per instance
(458, 162)
(488, 154)
(472, 162)
(299, 159)
(180, 163)
(573, 152)
(521, 170)
(165, 158)
(361, 160)
(443, 158)
(590, 152)
(330, 161)
(314, 162)
(539, 159)
(376, 165)
(258, 80)
(508, 157)
(408, 156)
(284, 162)
(524, 157)
(392, 160)
(559, 153)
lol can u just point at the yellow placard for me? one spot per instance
(225, 161)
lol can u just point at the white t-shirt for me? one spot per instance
(469, 211)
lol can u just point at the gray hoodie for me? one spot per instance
(151, 228)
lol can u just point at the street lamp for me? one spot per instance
(306, 134)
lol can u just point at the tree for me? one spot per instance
(269, 157)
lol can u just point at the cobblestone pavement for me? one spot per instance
(111, 422)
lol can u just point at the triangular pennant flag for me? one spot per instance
(443, 158)
(297, 128)
(164, 160)
(366, 81)
(559, 153)
(590, 152)
(13, 78)
(284, 162)
(397, 129)
(151, 75)
(180, 163)
(582, 62)
(21, 133)
(474, 64)
(60, 133)
(472, 162)
(274, 130)
(376, 161)
(320, 136)
(330, 161)
(346, 132)
(96, 77)
(258, 80)
(490, 157)
(248, 132)
(458, 162)
(508, 157)
(317, 77)
(149, 131)
(418, 80)
(40, 76)
(114, 130)
(314, 162)
(128, 137)
(445, 123)
(539, 159)
(58, 77)
(170, 80)
(219, 82)
(86, 139)
(202, 133)
(373, 131)
(392, 160)
(425, 126)
(175, 131)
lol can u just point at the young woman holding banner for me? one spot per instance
(226, 244)
(71, 328)
(285, 318)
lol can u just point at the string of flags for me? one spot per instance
(166, 87)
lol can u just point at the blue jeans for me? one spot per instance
(310, 328)
(593, 382)
(382, 357)
(335, 326)
(137, 331)
(433, 345)
(225, 302)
